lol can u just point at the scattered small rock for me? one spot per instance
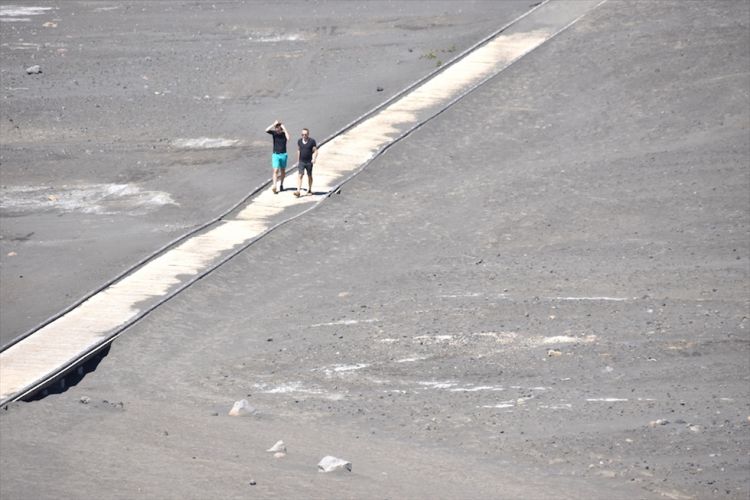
(279, 446)
(241, 408)
(554, 353)
(34, 70)
(660, 421)
(331, 464)
(252, 482)
(379, 89)
(85, 400)
(695, 428)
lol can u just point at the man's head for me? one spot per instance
(278, 126)
(305, 133)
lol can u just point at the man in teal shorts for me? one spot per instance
(279, 156)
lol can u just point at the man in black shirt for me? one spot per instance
(307, 153)
(279, 156)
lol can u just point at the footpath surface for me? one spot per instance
(541, 293)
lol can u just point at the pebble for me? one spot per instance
(279, 446)
(331, 464)
(85, 400)
(554, 353)
(34, 70)
(379, 89)
(241, 408)
(660, 421)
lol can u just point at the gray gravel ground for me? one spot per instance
(542, 293)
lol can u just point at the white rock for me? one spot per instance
(279, 446)
(331, 464)
(241, 408)
(660, 421)
(34, 70)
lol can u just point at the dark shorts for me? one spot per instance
(305, 166)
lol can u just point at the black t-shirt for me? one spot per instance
(279, 141)
(306, 150)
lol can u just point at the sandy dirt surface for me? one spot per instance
(542, 293)
(148, 117)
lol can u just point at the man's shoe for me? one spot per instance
(296, 193)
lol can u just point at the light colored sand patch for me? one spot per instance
(23, 46)
(289, 387)
(559, 339)
(348, 368)
(435, 338)
(502, 404)
(345, 322)
(477, 388)
(558, 406)
(291, 37)
(411, 360)
(340, 369)
(605, 400)
(595, 299)
(21, 11)
(105, 199)
(204, 143)
(501, 337)
(565, 339)
(433, 384)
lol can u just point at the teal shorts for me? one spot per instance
(278, 160)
